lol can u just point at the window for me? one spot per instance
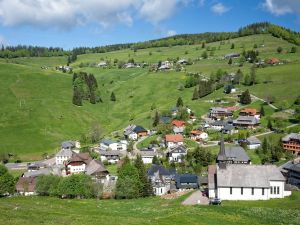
(242, 191)
(274, 190)
(252, 191)
(231, 190)
(271, 190)
(263, 191)
(278, 190)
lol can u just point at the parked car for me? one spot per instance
(215, 201)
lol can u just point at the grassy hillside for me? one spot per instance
(44, 210)
(37, 112)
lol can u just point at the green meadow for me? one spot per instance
(37, 113)
(47, 210)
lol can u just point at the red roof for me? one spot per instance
(174, 138)
(249, 111)
(196, 132)
(178, 123)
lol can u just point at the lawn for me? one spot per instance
(47, 210)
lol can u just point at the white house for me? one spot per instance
(148, 155)
(77, 163)
(177, 153)
(113, 145)
(173, 140)
(246, 182)
(198, 135)
(110, 156)
(253, 142)
(63, 155)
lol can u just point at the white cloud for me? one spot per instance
(66, 14)
(171, 33)
(280, 7)
(219, 8)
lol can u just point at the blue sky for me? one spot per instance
(73, 23)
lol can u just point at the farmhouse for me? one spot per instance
(253, 142)
(113, 145)
(291, 142)
(26, 186)
(250, 112)
(173, 140)
(97, 170)
(232, 154)
(247, 182)
(187, 181)
(160, 178)
(147, 155)
(102, 64)
(231, 55)
(70, 145)
(291, 170)
(198, 135)
(133, 132)
(110, 156)
(63, 155)
(246, 122)
(178, 126)
(77, 163)
(177, 153)
(220, 112)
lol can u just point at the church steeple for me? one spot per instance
(221, 160)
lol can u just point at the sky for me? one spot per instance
(75, 23)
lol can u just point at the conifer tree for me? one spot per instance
(113, 97)
(245, 98)
(262, 111)
(156, 119)
(77, 97)
(145, 185)
(179, 102)
(195, 94)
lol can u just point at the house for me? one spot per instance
(218, 125)
(291, 170)
(187, 181)
(198, 135)
(229, 88)
(26, 186)
(133, 132)
(253, 142)
(177, 153)
(182, 62)
(232, 154)
(246, 122)
(102, 64)
(64, 154)
(173, 140)
(110, 156)
(97, 170)
(166, 65)
(178, 126)
(36, 173)
(147, 155)
(291, 142)
(231, 55)
(113, 145)
(129, 65)
(246, 182)
(273, 61)
(77, 163)
(160, 178)
(165, 119)
(220, 112)
(70, 145)
(250, 112)
(229, 129)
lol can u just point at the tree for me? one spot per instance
(247, 80)
(293, 49)
(252, 76)
(269, 125)
(113, 97)
(145, 185)
(297, 101)
(155, 160)
(195, 94)
(232, 46)
(265, 146)
(203, 45)
(279, 49)
(245, 98)
(48, 185)
(179, 102)
(7, 181)
(77, 97)
(156, 119)
(230, 61)
(128, 184)
(204, 55)
(262, 111)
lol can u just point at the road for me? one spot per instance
(260, 99)
(196, 199)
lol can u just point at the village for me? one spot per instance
(228, 175)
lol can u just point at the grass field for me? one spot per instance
(37, 112)
(46, 210)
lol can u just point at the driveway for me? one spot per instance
(196, 199)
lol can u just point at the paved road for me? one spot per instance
(196, 199)
(270, 132)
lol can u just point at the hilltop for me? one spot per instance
(37, 111)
